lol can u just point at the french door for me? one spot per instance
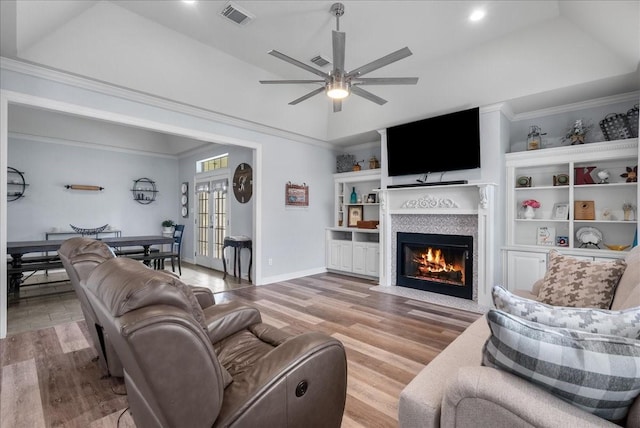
(211, 221)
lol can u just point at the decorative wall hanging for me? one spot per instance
(243, 183)
(296, 194)
(184, 199)
(84, 187)
(144, 190)
(15, 184)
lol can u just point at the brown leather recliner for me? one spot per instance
(80, 256)
(183, 367)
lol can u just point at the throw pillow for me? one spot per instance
(597, 373)
(618, 323)
(573, 282)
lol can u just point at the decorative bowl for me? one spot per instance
(617, 247)
(85, 231)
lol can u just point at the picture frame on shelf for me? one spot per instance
(562, 241)
(523, 181)
(355, 215)
(560, 211)
(561, 180)
(546, 236)
(371, 198)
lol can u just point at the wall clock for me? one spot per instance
(243, 183)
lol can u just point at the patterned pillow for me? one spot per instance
(580, 283)
(597, 373)
(624, 323)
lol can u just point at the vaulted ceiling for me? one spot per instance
(534, 54)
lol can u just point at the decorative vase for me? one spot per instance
(354, 196)
(529, 212)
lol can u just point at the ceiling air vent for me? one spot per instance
(319, 61)
(236, 14)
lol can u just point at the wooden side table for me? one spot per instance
(237, 243)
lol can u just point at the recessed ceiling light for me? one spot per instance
(477, 15)
(189, 1)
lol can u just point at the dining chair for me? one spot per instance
(174, 254)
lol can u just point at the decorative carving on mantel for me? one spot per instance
(484, 198)
(430, 201)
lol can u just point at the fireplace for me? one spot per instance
(435, 262)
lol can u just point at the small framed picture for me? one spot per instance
(560, 211)
(371, 198)
(561, 180)
(546, 235)
(355, 215)
(523, 181)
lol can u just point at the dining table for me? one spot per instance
(17, 250)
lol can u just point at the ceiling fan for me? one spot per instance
(339, 83)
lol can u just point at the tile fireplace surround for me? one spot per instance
(460, 209)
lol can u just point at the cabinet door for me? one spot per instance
(372, 259)
(334, 257)
(346, 256)
(359, 249)
(524, 268)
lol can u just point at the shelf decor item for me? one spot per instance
(523, 181)
(354, 196)
(534, 138)
(577, 132)
(561, 180)
(628, 209)
(583, 175)
(615, 126)
(355, 215)
(529, 206)
(589, 237)
(631, 175)
(561, 211)
(584, 210)
(546, 235)
(344, 163)
(603, 175)
(88, 231)
(632, 118)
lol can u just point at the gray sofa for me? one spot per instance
(455, 390)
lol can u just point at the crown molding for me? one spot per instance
(151, 100)
(596, 102)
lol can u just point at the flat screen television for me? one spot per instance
(450, 142)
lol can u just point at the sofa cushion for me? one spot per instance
(598, 373)
(574, 282)
(602, 321)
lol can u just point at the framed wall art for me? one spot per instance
(355, 215)
(296, 195)
(560, 211)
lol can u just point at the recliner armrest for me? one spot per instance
(484, 396)
(204, 295)
(225, 319)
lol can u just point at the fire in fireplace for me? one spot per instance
(437, 263)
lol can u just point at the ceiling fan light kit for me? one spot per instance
(339, 84)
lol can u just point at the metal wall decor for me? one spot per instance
(184, 200)
(144, 190)
(16, 185)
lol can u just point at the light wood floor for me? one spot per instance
(50, 377)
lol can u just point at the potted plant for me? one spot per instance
(167, 225)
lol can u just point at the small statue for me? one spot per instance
(603, 175)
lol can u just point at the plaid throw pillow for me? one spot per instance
(573, 282)
(624, 323)
(597, 373)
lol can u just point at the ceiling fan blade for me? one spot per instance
(339, 40)
(368, 95)
(337, 106)
(380, 62)
(309, 95)
(385, 81)
(298, 63)
(275, 82)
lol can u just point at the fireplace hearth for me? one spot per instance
(435, 262)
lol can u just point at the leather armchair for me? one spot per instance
(79, 256)
(185, 366)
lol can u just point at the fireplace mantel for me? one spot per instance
(476, 199)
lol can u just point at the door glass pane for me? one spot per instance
(203, 223)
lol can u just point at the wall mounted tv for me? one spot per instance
(450, 142)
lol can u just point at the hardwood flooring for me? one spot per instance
(50, 377)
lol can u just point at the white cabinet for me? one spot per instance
(354, 252)
(524, 268)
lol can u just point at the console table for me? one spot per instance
(237, 243)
